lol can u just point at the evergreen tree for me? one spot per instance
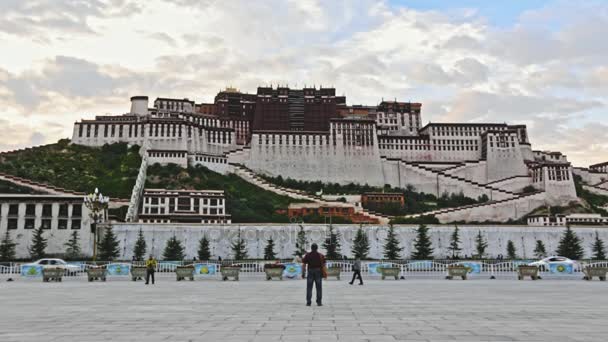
(332, 245)
(72, 247)
(422, 245)
(480, 245)
(360, 244)
(7, 248)
(174, 250)
(39, 243)
(455, 244)
(599, 253)
(203, 249)
(570, 245)
(239, 248)
(108, 246)
(511, 251)
(540, 251)
(269, 253)
(392, 249)
(139, 250)
(301, 243)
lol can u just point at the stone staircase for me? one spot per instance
(251, 177)
(478, 205)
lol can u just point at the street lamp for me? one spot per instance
(97, 205)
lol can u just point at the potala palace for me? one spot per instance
(311, 134)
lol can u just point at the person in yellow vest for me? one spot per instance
(150, 269)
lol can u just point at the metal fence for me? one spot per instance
(407, 268)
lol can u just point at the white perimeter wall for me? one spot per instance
(256, 236)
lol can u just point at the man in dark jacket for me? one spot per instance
(315, 262)
(357, 272)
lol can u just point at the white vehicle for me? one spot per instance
(545, 263)
(55, 263)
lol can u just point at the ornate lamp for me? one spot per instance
(97, 205)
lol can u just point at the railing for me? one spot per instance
(408, 268)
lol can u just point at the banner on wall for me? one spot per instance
(473, 267)
(118, 269)
(372, 267)
(205, 269)
(292, 271)
(562, 268)
(31, 270)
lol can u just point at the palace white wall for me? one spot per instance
(497, 212)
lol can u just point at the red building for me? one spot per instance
(285, 109)
(299, 210)
(233, 104)
(379, 199)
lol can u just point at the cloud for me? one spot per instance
(42, 18)
(163, 37)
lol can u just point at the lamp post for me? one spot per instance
(97, 205)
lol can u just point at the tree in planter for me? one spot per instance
(540, 250)
(599, 252)
(392, 249)
(455, 244)
(422, 245)
(72, 247)
(139, 250)
(203, 249)
(570, 245)
(39, 243)
(7, 248)
(108, 247)
(239, 248)
(511, 251)
(480, 245)
(361, 244)
(174, 250)
(301, 243)
(332, 245)
(269, 253)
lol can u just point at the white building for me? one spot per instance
(571, 219)
(58, 215)
(183, 206)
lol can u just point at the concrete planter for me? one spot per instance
(96, 273)
(183, 272)
(334, 272)
(599, 272)
(54, 274)
(230, 272)
(274, 271)
(457, 271)
(138, 273)
(527, 271)
(389, 272)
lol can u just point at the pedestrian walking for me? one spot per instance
(313, 269)
(357, 271)
(150, 269)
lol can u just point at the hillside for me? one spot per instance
(111, 168)
(246, 202)
(415, 202)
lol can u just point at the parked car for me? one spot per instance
(545, 263)
(69, 268)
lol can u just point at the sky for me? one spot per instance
(543, 63)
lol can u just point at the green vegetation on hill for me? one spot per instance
(10, 188)
(111, 168)
(415, 202)
(594, 202)
(246, 202)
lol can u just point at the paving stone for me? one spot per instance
(256, 310)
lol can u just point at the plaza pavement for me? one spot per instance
(259, 310)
